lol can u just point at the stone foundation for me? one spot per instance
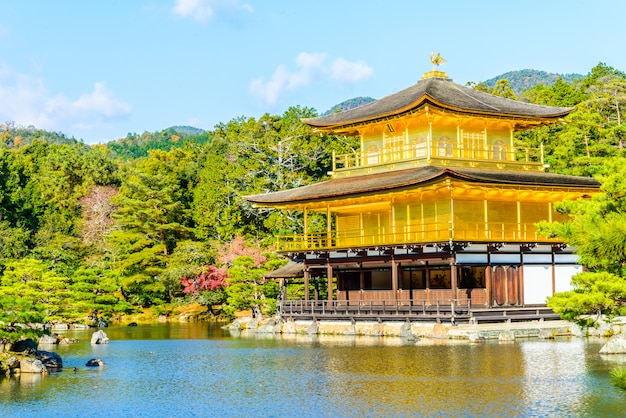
(477, 332)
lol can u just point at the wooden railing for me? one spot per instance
(361, 309)
(454, 310)
(417, 152)
(415, 234)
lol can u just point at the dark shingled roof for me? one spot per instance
(373, 183)
(442, 93)
(290, 270)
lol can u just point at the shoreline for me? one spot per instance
(415, 331)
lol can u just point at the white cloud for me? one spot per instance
(26, 101)
(343, 70)
(204, 10)
(310, 68)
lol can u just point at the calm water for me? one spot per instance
(199, 370)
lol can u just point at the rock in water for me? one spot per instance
(506, 336)
(48, 340)
(50, 359)
(615, 345)
(95, 362)
(27, 345)
(32, 365)
(99, 337)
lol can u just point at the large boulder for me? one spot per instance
(48, 339)
(27, 345)
(406, 331)
(50, 359)
(13, 363)
(506, 337)
(32, 365)
(475, 337)
(313, 329)
(545, 334)
(439, 331)
(60, 327)
(99, 337)
(615, 345)
(67, 341)
(289, 327)
(95, 362)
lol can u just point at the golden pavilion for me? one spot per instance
(437, 208)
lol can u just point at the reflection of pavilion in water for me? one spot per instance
(438, 208)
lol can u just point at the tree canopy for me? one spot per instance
(143, 222)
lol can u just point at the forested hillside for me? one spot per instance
(155, 221)
(522, 80)
(349, 104)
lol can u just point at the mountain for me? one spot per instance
(519, 80)
(525, 79)
(348, 104)
(189, 130)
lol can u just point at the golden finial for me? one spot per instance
(436, 60)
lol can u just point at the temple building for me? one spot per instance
(438, 207)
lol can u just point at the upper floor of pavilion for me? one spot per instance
(437, 122)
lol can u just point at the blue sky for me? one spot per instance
(97, 70)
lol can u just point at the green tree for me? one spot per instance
(249, 289)
(153, 214)
(31, 282)
(596, 229)
(594, 293)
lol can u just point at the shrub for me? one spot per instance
(618, 377)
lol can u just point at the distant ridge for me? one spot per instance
(519, 80)
(348, 104)
(525, 79)
(190, 130)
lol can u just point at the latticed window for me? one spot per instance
(499, 151)
(393, 146)
(444, 147)
(420, 147)
(474, 144)
(372, 154)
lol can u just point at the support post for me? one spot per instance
(329, 276)
(453, 279)
(488, 281)
(394, 278)
(306, 286)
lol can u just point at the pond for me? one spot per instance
(199, 370)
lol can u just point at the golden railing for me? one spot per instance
(418, 152)
(416, 234)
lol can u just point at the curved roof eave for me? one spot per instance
(442, 94)
(382, 182)
(425, 100)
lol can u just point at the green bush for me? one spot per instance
(618, 377)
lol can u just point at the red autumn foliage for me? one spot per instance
(239, 247)
(211, 278)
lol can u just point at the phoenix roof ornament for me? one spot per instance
(436, 60)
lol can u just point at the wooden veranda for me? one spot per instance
(453, 311)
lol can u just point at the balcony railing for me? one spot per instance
(415, 234)
(446, 151)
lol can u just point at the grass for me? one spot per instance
(618, 377)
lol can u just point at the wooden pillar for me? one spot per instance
(488, 285)
(306, 284)
(427, 278)
(553, 274)
(394, 278)
(453, 279)
(361, 282)
(329, 277)
(520, 273)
